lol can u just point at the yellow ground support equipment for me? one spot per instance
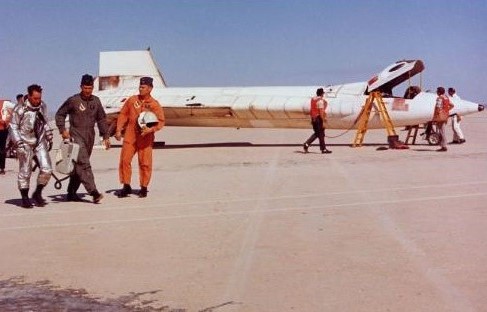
(363, 120)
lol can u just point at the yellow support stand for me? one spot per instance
(363, 118)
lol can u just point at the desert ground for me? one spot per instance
(243, 220)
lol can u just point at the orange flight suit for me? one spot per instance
(133, 141)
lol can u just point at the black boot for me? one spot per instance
(143, 191)
(25, 198)
(72, 189)
(37, 196)
(125, 191)
(96, 196)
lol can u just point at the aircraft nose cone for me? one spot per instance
(481, 107)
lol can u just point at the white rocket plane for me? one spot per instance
(267, 107)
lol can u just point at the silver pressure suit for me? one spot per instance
(31, 134)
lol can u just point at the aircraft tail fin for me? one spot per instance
(123, 69)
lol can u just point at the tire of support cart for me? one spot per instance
(434, 138)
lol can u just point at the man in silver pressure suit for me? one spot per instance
(32, 136)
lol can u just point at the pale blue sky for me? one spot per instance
(244, 43)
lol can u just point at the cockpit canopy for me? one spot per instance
(394, 75)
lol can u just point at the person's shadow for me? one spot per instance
(116, 192)
(15, 202)
(18, 202)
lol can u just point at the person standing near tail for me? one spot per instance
(136, 139)
(84, 111)
(32, 136)
(441, 114)
(317, 110)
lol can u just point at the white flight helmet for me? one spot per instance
(147, 119)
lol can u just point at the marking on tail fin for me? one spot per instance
(123, 69)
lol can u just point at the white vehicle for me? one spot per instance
(6, 115)
(267, 107)
(7, 108)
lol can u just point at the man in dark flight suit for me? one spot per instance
(84, 110)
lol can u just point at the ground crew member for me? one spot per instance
(317, 110)
(441, 114)
(31, 134)
(458, 137)
(84, 110)
(136, 139)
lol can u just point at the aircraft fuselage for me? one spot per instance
(280, 107)
(267, 107)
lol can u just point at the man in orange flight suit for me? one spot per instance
(441, 114)
(136, 139)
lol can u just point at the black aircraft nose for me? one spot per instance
(481, 107)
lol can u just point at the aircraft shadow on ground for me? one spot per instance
(163, 145)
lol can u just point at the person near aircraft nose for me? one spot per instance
(137, 139)
(458, 137)
(318, 106)
(84, 111)
(31, 134)
(441, 114)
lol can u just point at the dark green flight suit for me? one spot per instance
(83, 114)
